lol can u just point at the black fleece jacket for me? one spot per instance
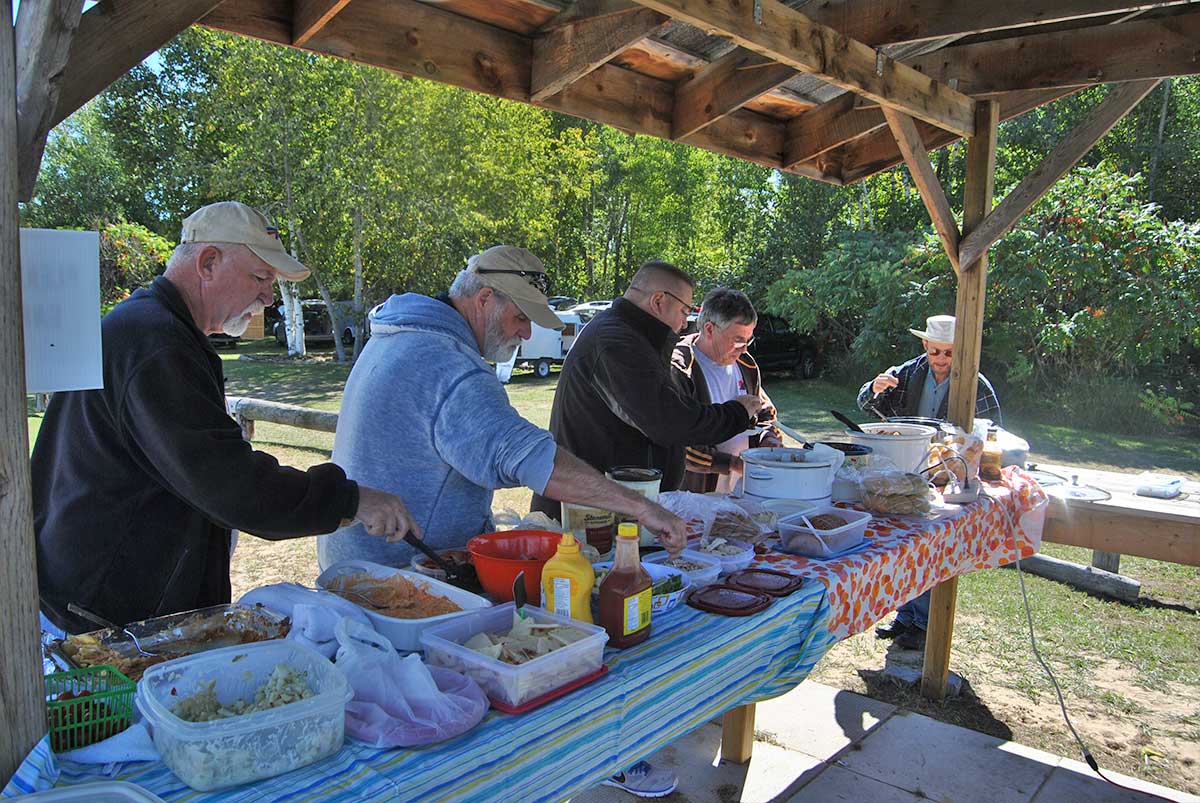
(617, 403)
(136, 485)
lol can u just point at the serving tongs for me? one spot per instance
(462, 575)
(115, 628)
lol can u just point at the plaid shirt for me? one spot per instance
(905, 397)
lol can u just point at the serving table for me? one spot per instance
(694, 667)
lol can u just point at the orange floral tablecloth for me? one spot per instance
(907, 555)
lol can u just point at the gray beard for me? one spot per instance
(236, 325)
(497, 347)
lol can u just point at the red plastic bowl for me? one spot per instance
(499, 557)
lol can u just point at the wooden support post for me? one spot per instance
(737, 734)
(1108, 561)
(21, 689)
(972, 287)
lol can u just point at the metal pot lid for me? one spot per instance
(783, 457)
(1045, 478)
(1086, 493)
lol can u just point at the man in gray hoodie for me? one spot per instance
(424, 415)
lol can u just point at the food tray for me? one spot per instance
(729, 563)
(699, 577)
(726, 600)
(561, 691)
(263, 744)
(513, 685)
(659, 603)
(172, 636)
(85, 706)
(771, 582)
(798, 537)
(405, 634)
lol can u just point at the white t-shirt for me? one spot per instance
(725, 383)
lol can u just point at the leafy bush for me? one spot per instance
(130, 257)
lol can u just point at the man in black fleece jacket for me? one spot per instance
(617, 403)
(137, 485)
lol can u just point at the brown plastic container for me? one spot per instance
(764, 581)
(725, 600)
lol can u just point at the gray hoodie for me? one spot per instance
(424, 417)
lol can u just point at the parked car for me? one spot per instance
(778, 347)
(588, 309)
(561, 302)
(318, 329)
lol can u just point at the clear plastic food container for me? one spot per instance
(700, 577)
(513, 685)
(729, 563)
(405, 634)
(798, 536)
(250, 747)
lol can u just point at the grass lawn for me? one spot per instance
(1130, 673)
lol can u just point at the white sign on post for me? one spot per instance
(60, 289)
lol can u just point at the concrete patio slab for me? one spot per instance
(818, 720)
(837, 784)
(1074, 780)
(945, 763)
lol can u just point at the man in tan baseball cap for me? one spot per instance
(520, 275)
(136, 485)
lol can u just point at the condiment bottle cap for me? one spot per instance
(627, 529)
(568, 542)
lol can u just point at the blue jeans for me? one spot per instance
(915, 611)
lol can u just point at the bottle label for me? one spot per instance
(562, 596)
(637, 612)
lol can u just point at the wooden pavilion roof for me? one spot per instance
(795, 86)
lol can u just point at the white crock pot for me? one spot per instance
(784, 473)
(907, 450)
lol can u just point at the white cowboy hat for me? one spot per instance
(938, 329)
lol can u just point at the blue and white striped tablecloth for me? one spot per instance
(694, 667)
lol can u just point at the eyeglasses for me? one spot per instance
(939, 352)
(535, 278)
(687, 307)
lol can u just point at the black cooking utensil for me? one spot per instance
(840, 417)
(462, 575)
(520, 598)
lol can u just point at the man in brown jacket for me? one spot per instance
(714, 366)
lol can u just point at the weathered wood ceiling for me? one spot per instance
(795, 86)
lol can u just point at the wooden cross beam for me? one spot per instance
(310, 16)
(792, 39)
(574, 47)
(1103, 54)
(724, 86)
(43, 42)
(113, 37)
(1099, 121)
(932, 195)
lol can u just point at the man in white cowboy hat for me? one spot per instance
(137, 485)
(921, 387)
(423, 415)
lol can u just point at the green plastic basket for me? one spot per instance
(84, 706)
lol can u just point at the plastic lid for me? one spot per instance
(764, 581)
(568, 544)
(627, 529)
(728, 601)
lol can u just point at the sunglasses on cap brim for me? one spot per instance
(535, 277)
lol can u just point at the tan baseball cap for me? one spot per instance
(233, 222)
(520, 275)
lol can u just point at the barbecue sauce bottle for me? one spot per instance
(625, 593)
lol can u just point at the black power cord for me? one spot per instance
(1087, 754)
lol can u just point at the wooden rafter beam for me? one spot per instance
(43, 43)
(1130, 51)
(566, 52)
(790, 38)
(877, 151)
(1099, 122)
(310, 16)
(724, 86)
(113, 37)
(932, 195)
(879, 22)
(414, 38)
(828, 126)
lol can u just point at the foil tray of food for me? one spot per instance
(165, 637)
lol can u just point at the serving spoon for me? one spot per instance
(841, 417)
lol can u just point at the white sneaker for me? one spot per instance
(643, 780)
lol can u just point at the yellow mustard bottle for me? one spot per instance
(567, 580)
